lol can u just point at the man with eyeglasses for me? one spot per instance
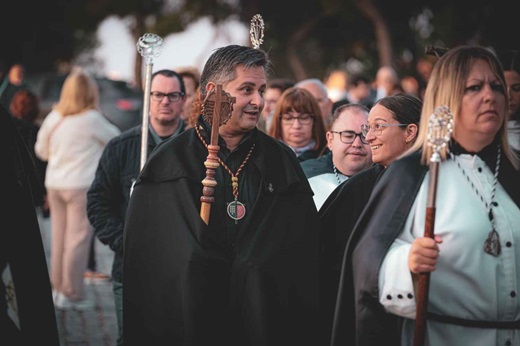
(119, 166)
(349, 152)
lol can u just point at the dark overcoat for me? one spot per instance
(188, 283)
(27, 315)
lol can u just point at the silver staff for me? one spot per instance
(149, 46)
(440, 128)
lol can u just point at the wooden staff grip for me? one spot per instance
(423, 288)
(423, 285)
(440, 128)
(209, 182)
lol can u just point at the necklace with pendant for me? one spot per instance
(235, 209)
(492, 244)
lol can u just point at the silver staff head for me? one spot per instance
(440, 128)
(149, 46)
(257, 31)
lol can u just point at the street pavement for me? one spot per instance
(96, 327)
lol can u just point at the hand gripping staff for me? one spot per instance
(440, 127)
(149, 46)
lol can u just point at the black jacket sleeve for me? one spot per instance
(105, 199)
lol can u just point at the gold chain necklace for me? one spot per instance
(235, 209)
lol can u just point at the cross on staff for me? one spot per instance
(216, 110)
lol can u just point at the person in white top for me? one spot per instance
(474, 254)
(349, 152)
(71, 140)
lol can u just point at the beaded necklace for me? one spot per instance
(235, 209)
(492, 244)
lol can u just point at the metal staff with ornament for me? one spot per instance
(256, 31)
(440, 128)
(149, 46)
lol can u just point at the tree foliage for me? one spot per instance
(304, 39)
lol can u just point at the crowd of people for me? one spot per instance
(299, 219)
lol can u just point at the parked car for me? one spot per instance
(119, 102)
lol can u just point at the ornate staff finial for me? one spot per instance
(149, 46)
(440, 127)
(257, 31)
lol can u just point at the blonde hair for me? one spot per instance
(446, 86)
(79, 93)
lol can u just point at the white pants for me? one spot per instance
(71, 236)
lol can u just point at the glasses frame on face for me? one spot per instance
(377, 128)
(175, 96)
(304, 119)
(344, 136)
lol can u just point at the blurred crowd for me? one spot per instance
(343, 127)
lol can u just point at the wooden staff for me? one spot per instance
(217, 110)
(149, 46)
(439, 132)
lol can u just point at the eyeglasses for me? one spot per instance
(304, 119)
(172, 97)
(377, 129)
(348, 137)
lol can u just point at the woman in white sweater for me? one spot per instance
(71, 139)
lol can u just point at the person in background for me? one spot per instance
(71, 140)
(119, 166)
(318, 89)
(391, 129)
(358, 91)
(275, 88)
(386, 82)
(247, 274)
(14, 81)
(423, 69)
(336, 83)
(349, 152)
(297, 122)
(25, 107)
(410, 85)
(27, 315)
(510, 60)
(191, 78)
(472, 297)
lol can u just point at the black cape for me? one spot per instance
(338, 215)
(187, 283)
(380, 223)
(21, 249)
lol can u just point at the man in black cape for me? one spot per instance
(27, 315)
(240, 279)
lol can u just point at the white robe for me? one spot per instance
(467, 283)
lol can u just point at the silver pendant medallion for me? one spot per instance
(492, 244)
(236, 210)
